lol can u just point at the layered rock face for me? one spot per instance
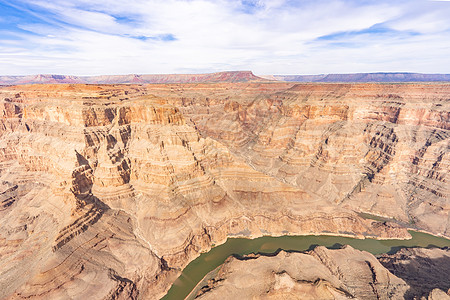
(378, 148)
(332, 274)
(108, 191)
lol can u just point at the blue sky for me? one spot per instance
(93, 37)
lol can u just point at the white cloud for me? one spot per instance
(86, 37)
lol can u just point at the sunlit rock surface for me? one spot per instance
(109, 191)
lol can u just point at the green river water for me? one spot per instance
(206, 262)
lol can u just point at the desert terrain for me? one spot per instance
(109, 191)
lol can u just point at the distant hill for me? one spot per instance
(232, 76)
(362, 77)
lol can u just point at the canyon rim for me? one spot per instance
(224, 149)
(109, 191)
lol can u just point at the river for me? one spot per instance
(206, 262)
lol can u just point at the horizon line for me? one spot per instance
(230, 71)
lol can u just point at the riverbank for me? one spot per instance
(206, 262)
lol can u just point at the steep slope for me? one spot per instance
(122, 186)
(424, 270)
(377, 148)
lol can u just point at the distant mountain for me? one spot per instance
(40, 78)
(232, 76)
(362, 77)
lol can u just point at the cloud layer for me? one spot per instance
(91, 37)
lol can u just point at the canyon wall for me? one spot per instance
(108, 191)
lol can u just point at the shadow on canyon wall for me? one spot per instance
(422, 274)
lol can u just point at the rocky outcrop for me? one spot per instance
(330, 274)
(109, 191)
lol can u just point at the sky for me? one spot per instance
(97, 37)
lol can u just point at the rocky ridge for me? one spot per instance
(109, 191)
(230, 76)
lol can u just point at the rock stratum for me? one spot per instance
(332, 274)
(108, 191)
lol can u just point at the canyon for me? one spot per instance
(322, 273)
(109, 191)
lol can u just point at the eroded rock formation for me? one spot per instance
(109, 191)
